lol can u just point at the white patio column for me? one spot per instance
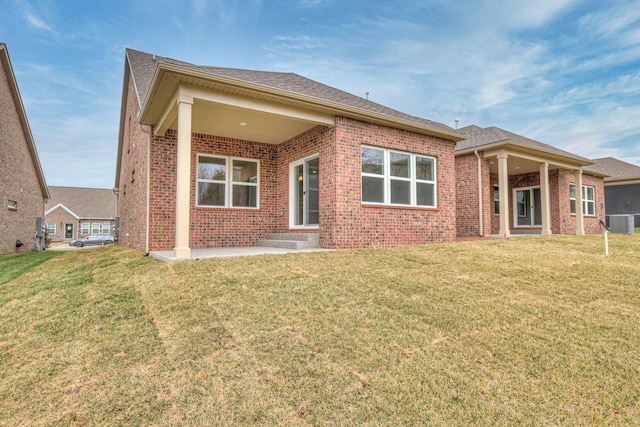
(579, 212)
(183, 178)
(544, 199)
(503, 186)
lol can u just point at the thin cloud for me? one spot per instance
(38, 23)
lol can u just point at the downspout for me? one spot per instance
(480, 217)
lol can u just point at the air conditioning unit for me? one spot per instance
(621, 224)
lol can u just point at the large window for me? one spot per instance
(588, 199)
(397, 178)
(227, 182)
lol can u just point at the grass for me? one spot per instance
(13, 265)
(524, 331)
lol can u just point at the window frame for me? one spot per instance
(496, 200)
(94, 230)
(48, 228)
(108, 227)
(586, 203)
(228, 182)
(88, 228)
(388, 178)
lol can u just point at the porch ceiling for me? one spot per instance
(518, 165)
(213, 118)
(524, 159)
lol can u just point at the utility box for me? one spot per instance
(621, 224)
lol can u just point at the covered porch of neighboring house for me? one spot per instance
(527, 191)
(194, 108)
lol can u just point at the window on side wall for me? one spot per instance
(106, 228)
(84, 228)
(227, 182)
(95, 228)
(51, 228)
(496, 200)
(397, 178)
(588, 199)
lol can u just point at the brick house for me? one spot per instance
(509, 184)
(23, 189)
(74, 212)
(621, 187)
(213, 157)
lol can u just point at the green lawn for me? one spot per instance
(13, 265)
(523, 331)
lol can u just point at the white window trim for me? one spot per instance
(496, 188)
(102, 227)
(88, 228)
(585, 201)
(228, 182)
(54, 228)
(292, 183)
(93, 228)
(386, 176)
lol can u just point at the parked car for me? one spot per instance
(94, 239)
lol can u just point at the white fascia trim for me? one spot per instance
(60, 205)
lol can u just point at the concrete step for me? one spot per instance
(291, 240)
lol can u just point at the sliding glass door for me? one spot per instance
(528, 210)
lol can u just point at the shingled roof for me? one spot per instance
(616, 169)
(143, 66)
(484, 136)
(86, 203)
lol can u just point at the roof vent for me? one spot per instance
(154, 57)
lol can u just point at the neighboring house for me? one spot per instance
(23, 189)
(74, 212)
(509, 184)
(621, 187)
(211, 157)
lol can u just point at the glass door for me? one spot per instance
(528, 209)
(305, 200)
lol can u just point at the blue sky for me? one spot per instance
(564, 72)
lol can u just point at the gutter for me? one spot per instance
(480, 205)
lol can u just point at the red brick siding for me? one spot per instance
(214, 227)
(468, 221)
(567, 223)
(359, 225)
(344, 220)
(132, 196)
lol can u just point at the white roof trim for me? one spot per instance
(60, 205)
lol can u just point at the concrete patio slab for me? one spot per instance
(197, 254)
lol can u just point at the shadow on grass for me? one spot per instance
(14, 265)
